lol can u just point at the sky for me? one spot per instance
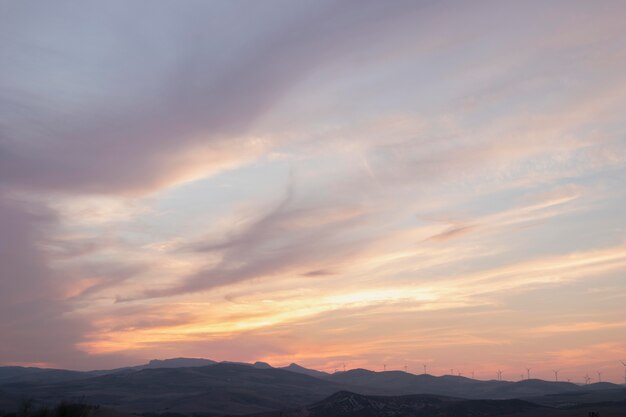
(368, 183)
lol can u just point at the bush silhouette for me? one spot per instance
(63, 409)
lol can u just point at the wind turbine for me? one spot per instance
(406, 368)
(472, 374)
(424, 369)
(344, 367)
(599, 376)
(587, 379)
(499, 375)
(384, 367)
(556, 375)
(528, 372)
(624, 363)
(451, 371)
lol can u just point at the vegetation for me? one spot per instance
(63, 409)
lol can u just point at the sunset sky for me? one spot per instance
(320, 182)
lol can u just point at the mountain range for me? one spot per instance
(202, 387)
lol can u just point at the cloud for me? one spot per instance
(288, 239)
(588, 326)
(452, 232)
(111, 106)
(318, 273)
(32, 310)
(93, 100)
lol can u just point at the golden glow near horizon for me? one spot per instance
(418, 185)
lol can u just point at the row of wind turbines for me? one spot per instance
(499, 373)
(587, 378)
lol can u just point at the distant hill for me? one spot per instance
(176, 363)
(294, 367)
(584, 396)
(403, 383)
(219, 389)
(599, 386)
(19, 374)
(262, 365)
(399, 382)
(531, 387)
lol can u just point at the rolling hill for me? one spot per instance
(398, 382)
(221, 388)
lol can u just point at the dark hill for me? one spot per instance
(221, 389)
(399, 382)
(349, 404)
(403, 383)
(533, 387)
(262, 365)
(176, 363)
(294, 367)
(19, 374)
(585, 396)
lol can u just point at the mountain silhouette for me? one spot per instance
(177, 363)
(224, 388)
(398, 382)
(186, 386)
(19, 374)
(294, 367)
